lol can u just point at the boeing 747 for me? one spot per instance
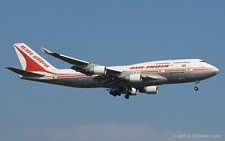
(129, 79)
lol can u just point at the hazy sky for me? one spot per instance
(112, 33)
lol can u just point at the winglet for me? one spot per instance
(46, 51)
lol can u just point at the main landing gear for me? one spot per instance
(196, 85)
(115, 93)
(119, 92)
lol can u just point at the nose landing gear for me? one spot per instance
(196, 85)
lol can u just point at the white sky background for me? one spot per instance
(112, 33)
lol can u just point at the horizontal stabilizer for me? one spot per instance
(24, 73)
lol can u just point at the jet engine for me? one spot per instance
(98, 70)
(149, 89)
(133, 78)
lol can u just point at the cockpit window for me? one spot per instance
(202, 61)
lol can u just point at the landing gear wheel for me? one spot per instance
(127, 96)
(196, 88)
(196, 85)
(113, 93)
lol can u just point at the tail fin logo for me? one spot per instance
(31, 61)
(32, 55)
(27, 50)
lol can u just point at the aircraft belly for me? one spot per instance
(183, 77)
(203, 75)
(83, 82)
(87, 82)
(71, 82)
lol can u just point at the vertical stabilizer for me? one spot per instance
(30, 60)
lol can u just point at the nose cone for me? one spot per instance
(216, 70)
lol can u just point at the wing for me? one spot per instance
(153, 77)
(84, 66)
(106, 76)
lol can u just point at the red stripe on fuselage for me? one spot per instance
(155, 71)
(174, 70)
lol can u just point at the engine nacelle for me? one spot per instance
(134, 78)
(149, 89)
(98, 70)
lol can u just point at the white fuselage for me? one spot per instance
(174, 71)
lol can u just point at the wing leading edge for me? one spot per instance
(80, 65)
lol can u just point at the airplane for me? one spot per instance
(128, 79)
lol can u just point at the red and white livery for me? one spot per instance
(129, 79)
